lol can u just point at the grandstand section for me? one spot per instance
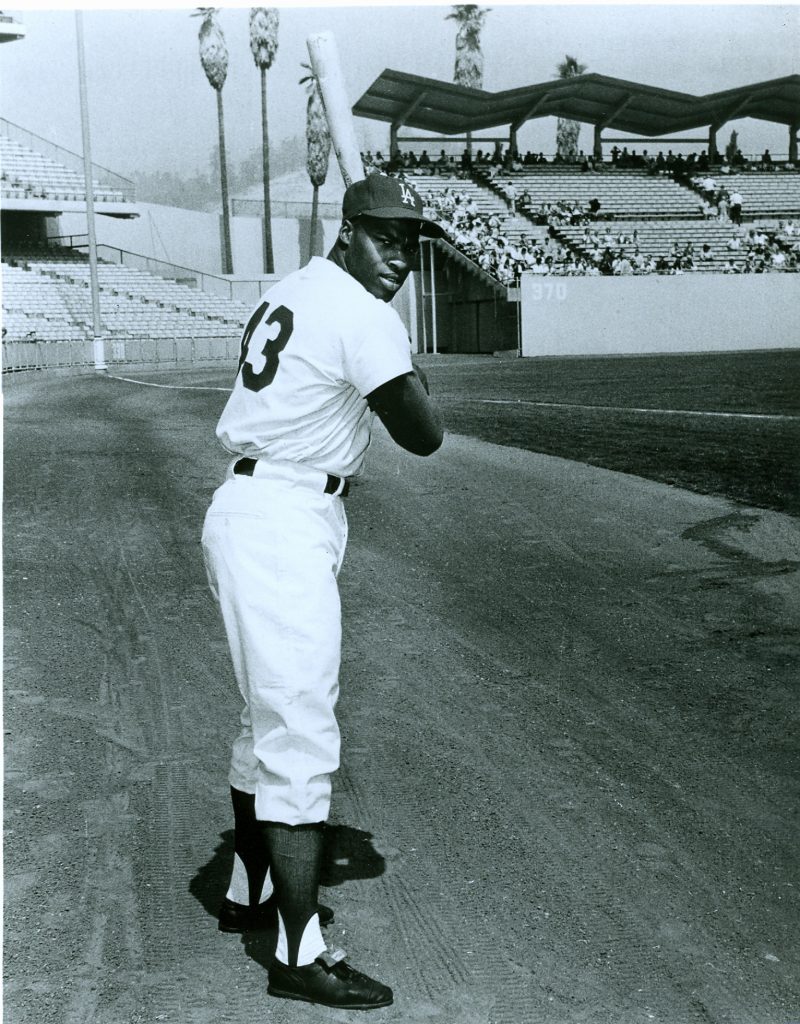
(485, 202)
(620, 193)
(765, 194)
(27, 174)
(46, 298)
(36, 176)
(728, 248)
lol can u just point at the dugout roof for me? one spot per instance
(448, 109)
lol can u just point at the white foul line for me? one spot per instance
(170, 387)
(626, 408)
(517, 401)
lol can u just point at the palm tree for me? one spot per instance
(214, 58)
(318, 142)
(469, 57)
(264, 46)
(567, 132)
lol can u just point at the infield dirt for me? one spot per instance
(569, 720)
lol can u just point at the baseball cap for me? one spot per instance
(378, 195)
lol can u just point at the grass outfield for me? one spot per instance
(595, 415)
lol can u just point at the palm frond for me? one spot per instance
(469, 57)
(264, 35)
(213, 51)
(318, 139)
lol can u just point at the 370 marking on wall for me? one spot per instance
(548, 291)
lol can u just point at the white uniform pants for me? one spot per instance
(273, 545)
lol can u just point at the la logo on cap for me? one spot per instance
(406, 195)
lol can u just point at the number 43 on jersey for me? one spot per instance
(263, 341)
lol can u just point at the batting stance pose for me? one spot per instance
(321, 353)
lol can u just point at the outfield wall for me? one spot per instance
(564, 316)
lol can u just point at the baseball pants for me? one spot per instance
(273, 546)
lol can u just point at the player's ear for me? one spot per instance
(345, 233)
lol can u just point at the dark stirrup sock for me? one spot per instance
(295, 853)
(251, 850)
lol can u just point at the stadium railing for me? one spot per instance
(120, 352)
(248, 290)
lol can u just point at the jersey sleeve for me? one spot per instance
(378, 351)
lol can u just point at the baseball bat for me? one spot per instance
(328, 71)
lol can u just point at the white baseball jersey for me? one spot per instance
(316, 345)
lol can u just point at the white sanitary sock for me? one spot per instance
(239, 889)
(311, 944)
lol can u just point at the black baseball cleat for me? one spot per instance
(329, 981)
(238, 917)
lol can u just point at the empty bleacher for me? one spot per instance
(46, 297)
(26, 174)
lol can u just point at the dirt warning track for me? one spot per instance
(568, 791)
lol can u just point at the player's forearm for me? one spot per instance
(407, 412)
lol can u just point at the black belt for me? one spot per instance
(246, 466)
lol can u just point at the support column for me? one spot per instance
(392, 141)
(598, 143)
(512, 139)
(713, 155)
(793, 130)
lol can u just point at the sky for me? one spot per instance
(151, 107)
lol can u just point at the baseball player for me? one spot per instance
(322, 353)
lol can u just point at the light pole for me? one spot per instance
(97, 326)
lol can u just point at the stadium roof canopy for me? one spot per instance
(10, 29)
(447, 109)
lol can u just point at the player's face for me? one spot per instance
(380, 253)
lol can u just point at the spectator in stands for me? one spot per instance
(708, 187)
(621, 266)
(735, 209)
(734, 243)
(466, 160)
(766, 160)
(722, 205)
(425, 161)
(510, 192)
(670, 162)
(706, 255)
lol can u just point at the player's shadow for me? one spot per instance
(348, 854)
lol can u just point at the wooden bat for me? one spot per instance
(325, 64)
